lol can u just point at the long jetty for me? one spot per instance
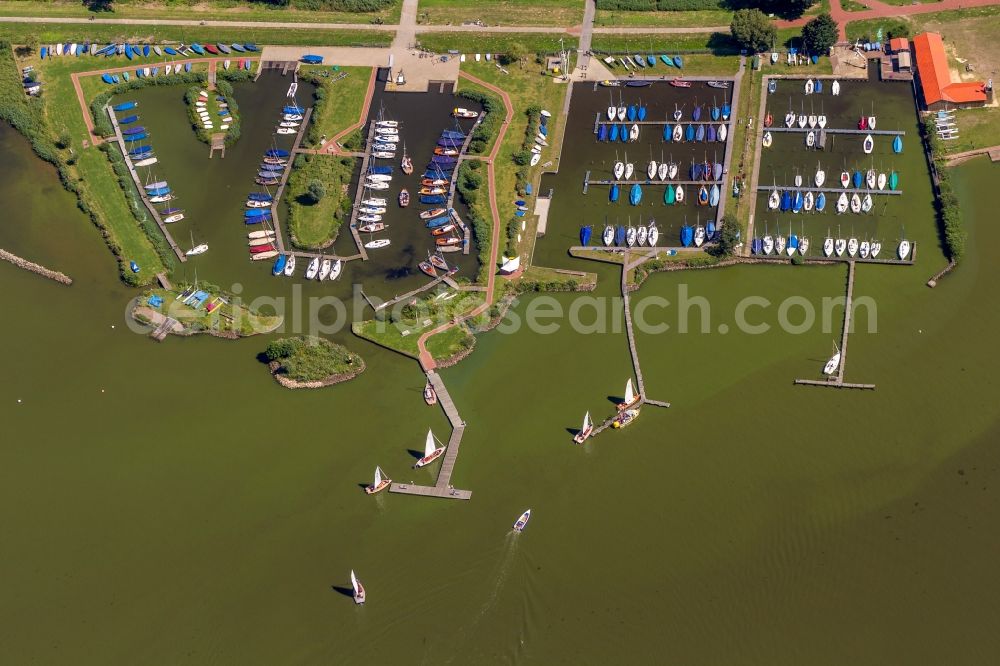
(285, 174)
(646, 181)
(833, 190)
(834, 130)
(141, 189)
(359, 195)
(404, 297)
(837, 381)
(442, 487)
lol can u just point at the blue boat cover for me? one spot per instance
(124, 106)
(128, 120)
(432, 199)
(312, 59)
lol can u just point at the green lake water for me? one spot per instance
(169, 503)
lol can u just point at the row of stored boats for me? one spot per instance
(133, 51)
(114, 78)
(672, 194)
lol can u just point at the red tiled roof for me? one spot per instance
(935, 78)
(897, 44)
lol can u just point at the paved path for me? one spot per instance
(331, 147)
(425, 357)
(407, 29)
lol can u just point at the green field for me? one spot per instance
(208, 11)
(470, 42)
(708, 18)
(19, 33)
(342, 100)
(501, 12)
(719, 43)
(315, 225)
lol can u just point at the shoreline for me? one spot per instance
(331, 380)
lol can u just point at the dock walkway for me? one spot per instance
(141, 189)
(360, 194)
(831, 190)
(829, 130)
(284, 181)
(442, 487)
(405, 297)
(837, 381)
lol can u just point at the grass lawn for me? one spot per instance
(224, 316)
(852, 6)
(526, 87)
(718, 43)
(98, 181)
(708, 18)
(556, 279)
(743, 148)
(977, 128)
(343, 100)
(315, 225)
(313, 359)
(223, 11)
(402, 333)
(471, 42)
(70, 32)
(501, 12)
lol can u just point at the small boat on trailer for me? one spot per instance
(586, 431)
(380, 482)
(431, 450)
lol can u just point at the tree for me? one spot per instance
(515, 52)
(820, 34)
(31, 42)
(729, 234)
(316, 190)
(753, 30)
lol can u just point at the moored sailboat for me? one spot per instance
(585, 431)
(431, 450)
(631, 397)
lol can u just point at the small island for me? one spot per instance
(311, 362)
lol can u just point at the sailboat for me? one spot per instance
(196, 249)
(359, 589)
(828, 244)
(904, 249)
(431, 450)
(631, 397)
(834, 363)
(585, 431)
(380, 483)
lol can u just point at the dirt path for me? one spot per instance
(426, 360)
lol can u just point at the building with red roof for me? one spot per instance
(934, 77)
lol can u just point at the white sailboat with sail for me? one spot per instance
(631, 397)
(585, 431)
(380, 483)
(359, 589)
(431, 450)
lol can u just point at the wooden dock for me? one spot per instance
(360, 194)
(827, 190)
(442, 487)
(275, 220)
(461, 156)
(466, 230)
(661, 123)
(690, 183)
(404, 297)
(160, 332)
(141, 189)
(829, 130)
(218, 143)
(837, 380)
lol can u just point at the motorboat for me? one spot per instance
(459, 112)
(522, 521)
(625, 418)
(378, 243)
(835, 88)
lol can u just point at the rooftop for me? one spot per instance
(935, 76)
